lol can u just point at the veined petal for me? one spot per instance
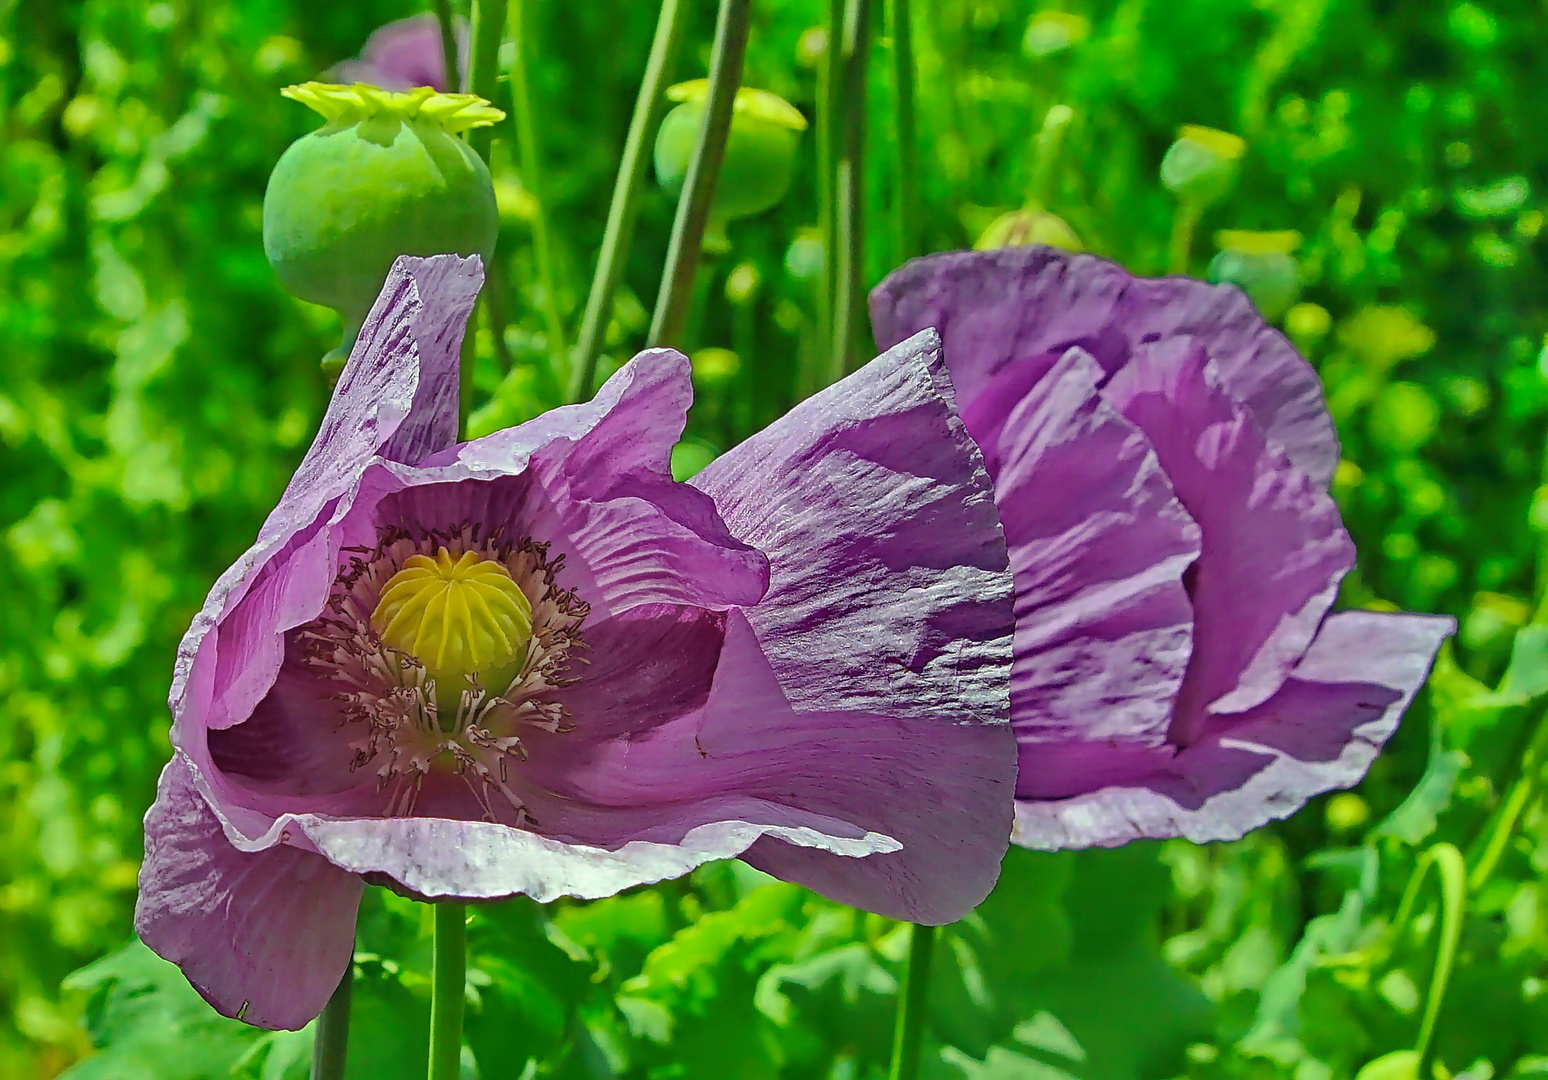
(999, 308)
(264, 936)
(397, 398)
(1274, 548)
(1319, 732)
(1099, 544)
(889, 601)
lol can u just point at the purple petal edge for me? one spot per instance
(1320, 732)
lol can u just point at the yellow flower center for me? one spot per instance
(457, 617)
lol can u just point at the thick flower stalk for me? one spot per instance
(532, 663)
(1160, 460)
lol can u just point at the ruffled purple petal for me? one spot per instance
(995, 309)
(1257, 365)
(264, 937)
(1319, 732)
(1274, 548)
(889, 601)
(404, 54)
(397, 398)
(1098, 546)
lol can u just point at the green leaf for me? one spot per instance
(147, 1023)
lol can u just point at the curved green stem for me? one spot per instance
(1453, 878)
(620, 212)
(908, 1035)
(448, 989)
(1184, 221)
(732, 26)
(330, 1050)
(907, 193)
(443, 15)
(849, 190)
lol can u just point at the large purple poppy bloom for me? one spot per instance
(532, 663)
(1160, 460)
(404, 54)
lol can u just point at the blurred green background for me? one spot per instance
(158, 387)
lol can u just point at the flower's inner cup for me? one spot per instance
(447, 647)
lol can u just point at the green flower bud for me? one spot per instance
(715, 366)
(385, 176)
(804, 257)
(1261, 265)
(743, 283)
(1308, 324)
(1051, 32)
(1201, 166)
(760, 149)
(1027, 226)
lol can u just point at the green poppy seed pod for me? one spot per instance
(1027, 226)
(1201, 166)
(760, 152)
(385, 176)
(1262, 265)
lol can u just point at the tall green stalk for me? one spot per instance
(448, 989)
(906, 189)
(1185, 221)
(849, 190)
(829, 75)
(331, 1048)
(532, 177)
(485, 28)
(648, 107)
(443, 15)
(672, 302)
(908, 1036)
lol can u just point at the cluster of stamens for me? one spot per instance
(446, 646)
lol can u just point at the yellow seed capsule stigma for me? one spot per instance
(456, 616)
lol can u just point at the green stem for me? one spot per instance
(814, 371)
(1523, 788)
(908, 1036)
(848, 291)
(330, 1049)
(1453, 878)
(443, 15)
(532, 177)
(731, 30)
(1184, 221)
(648, 108)
(486, 25)
(448, 989)
(907, 193)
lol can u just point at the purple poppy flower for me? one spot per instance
(404, 54)
(1160, 460)
(532, 663)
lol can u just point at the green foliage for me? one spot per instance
(160, 387)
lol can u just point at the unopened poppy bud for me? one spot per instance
(1201, 166)
(760, 151)
(804, 257)
(743, 283)
(1052, 32)
(1029, 225)
(1262, 265)
(385, 176)
(1308, 324)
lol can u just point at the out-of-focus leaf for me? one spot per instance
(147, 1023)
